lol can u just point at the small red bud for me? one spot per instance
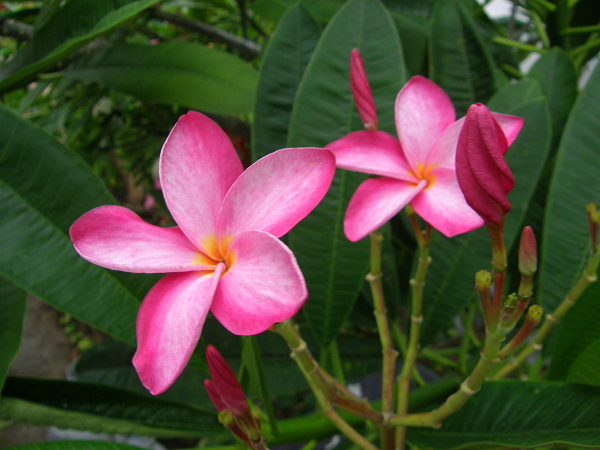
(225, 382)
(359, 85)
(527, 253)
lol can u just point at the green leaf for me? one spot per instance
(322, 10)
(271, 9)
(519, 414)
(575, 183)
(12, 312)
(178, 73)
(461, 63)
(72, 26)
(556, 75)
(449, 285)
(324, 111)
(586, 368)
(76, 445)
(579, 329)
(283, 64)
(100, 409)
(43, 189)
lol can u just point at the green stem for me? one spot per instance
(588, 277)
(577, 30)
(388, 351)
(319, 380)
(518, 45)
(417, 285)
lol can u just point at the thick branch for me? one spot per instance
(246, 47)
(17, 30)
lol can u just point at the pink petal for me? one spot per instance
(372, 152)
(116, 238)
(443, 150)
(359, 85)
(263, 286)
(423, 111)
(169, 324)
(511, 125)
(198, 165)
(375, 202)
(277, 191)
(443, 205)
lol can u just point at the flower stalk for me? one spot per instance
(417, 284)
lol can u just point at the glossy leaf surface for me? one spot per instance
(283, 64)
(461, 63)
(96, 408)
(43, 189)
(519, 414)
(177, 73)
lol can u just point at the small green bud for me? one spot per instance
(483, 279)
(511, 301)
(226, 418)
(534, 314)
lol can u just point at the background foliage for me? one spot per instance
(90, 89)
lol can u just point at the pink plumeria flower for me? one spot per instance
(224, 256)
(418, 168)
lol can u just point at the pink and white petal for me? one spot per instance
(198, 165)
(116, 238)
(443, 150)
(263, 285)
(169, 323)
(423, 111)
(511, 125)
(443, 205)
(372, 152)
(276, 192)
(375, 202)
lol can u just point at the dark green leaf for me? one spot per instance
(586, 368)
(271, 9)
(455, 261)
(75, 24)
(323, 112)
(283, 64)
(102, 409)
(461, 63)
(575, 183)
(178, 73)
(322, 10)
(12, 312)
(43, 189)
(579, 329)
(519, 414)
(556, 75)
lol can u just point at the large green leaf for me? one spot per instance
(323, 112)
(283, 64)
(586, 368)
(455, 261)
(557, 77)
(75, 24)
(519, 414)
(12, 312)
(575, 183)
(43, 189)
(178, 73)
(101, 409)
(579, 329)
(461, 63)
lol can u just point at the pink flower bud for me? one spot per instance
(527, 253)
(362, 91)
(214, 395)
(225, 384)
(482, 172)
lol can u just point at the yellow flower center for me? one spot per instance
(216, 252)
(423, 172)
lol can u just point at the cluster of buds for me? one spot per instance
(227, 396)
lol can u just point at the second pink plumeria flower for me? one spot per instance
(417, 168)
(224, 255)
